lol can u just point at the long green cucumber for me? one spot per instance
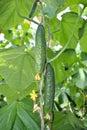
(49, 90)
(40, 54)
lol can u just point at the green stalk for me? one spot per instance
(41, 106)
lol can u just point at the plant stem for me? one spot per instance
(41, 106)
(51, 121)
(42, 13)
(41, 82)
(69, 41)
(49, 34)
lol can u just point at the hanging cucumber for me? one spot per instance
(33, 8)
(49, 90)
(40, 54)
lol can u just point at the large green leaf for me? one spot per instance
(66, 122)
(17, 68)
(8, 12)
(12, 94)
(67, 26)
(19, 116)
(63, 64)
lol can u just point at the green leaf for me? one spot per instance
(81, 30)
(79, 99)
(63, 65)
(9, 93)
(77, 95)
(54, 24)
(80, 78)
(85, 120)
(17, 68)
(54, 3)
(83, 42)
(7, 112)
(84, 2)
(63, 100)
(49, 11)
(52, 27)
(28, 90)
(67, 25)
(74, 2)
(8, 34)
(73, 90)
(84, 57)
(19, 116)
(66, 122)
(8, 12)
(50, 53)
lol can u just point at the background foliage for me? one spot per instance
(17, 63)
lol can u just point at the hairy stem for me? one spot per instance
(42, 14)
(51, 121)
(41, 106)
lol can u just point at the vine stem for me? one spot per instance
(69, 41)
(42, 13)
(24, 17)
(41, 105)
(42, 100)
(48, 34)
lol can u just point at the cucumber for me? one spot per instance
(33, 8)
(40, 45)
(49, 89)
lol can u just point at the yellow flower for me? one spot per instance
(33, 95)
